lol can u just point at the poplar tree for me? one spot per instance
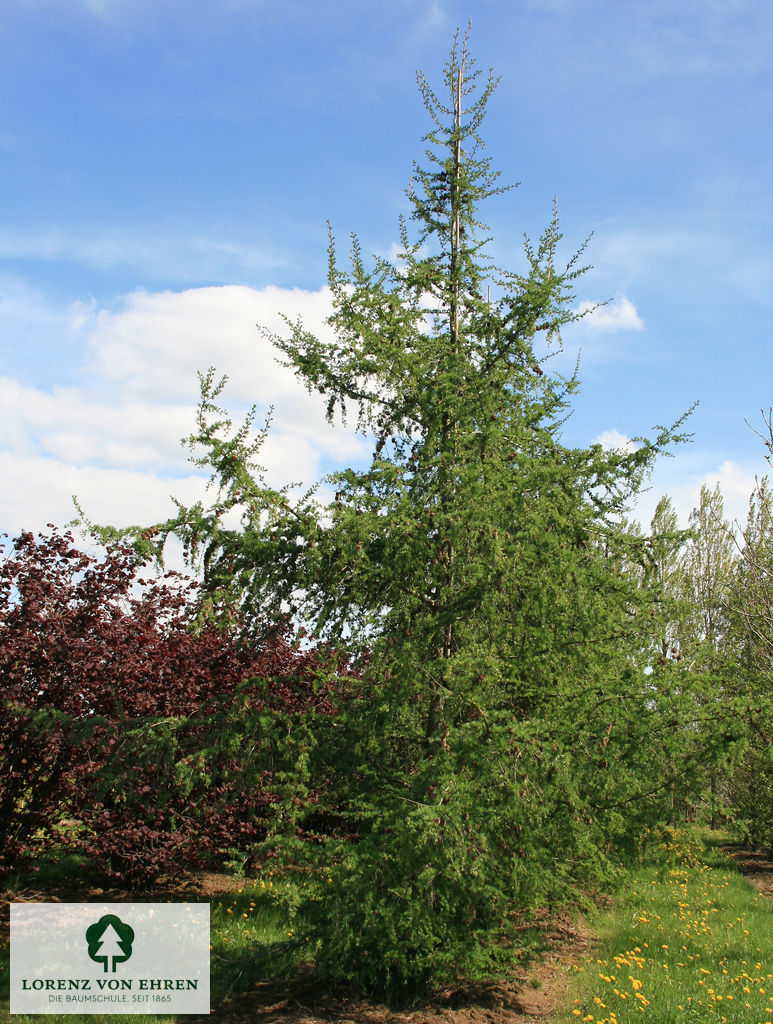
(697, 569)
(497, 751)
(710, 566)
(667, 568)
(752, 619)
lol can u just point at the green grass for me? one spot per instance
(251, 942)
(687, 942)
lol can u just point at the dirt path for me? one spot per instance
(754, 865)
(533, 995)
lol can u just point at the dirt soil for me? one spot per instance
(533, 994)
(755, 865)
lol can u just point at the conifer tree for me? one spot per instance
(477, 572)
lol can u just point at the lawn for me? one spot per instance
(687, 941)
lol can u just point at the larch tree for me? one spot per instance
(499, 749)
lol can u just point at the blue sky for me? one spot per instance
(167, 170)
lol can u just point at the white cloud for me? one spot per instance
(36, 335)
(113, 438)
(111, 434)
(613, 440)
(620, 315)
(595, 337)
(38, 490)
(24, 307)
(736, 485)
(681, 479)
(70, 424)
(155, 342)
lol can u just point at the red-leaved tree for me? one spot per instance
(155, 739)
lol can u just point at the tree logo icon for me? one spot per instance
(110, 941)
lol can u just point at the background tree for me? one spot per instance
(153, 737)
(707, 648)
(667, 569)
(709, 566)
(693, 644)
(754, 588)
(752, 607)
(664, 574)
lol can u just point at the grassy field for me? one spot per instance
(688, 941)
